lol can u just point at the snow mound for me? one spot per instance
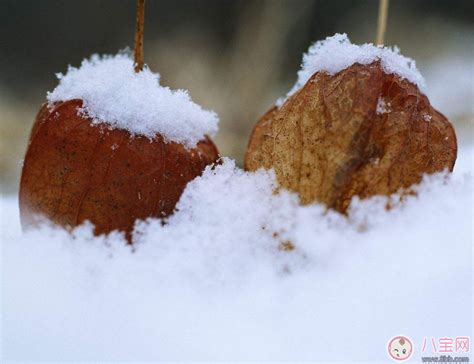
(337, 53)
(212, 284)
(113, 93)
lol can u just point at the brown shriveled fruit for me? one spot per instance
(328, 142)
(75, 171)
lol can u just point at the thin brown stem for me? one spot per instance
(382, 21)
(138, 57)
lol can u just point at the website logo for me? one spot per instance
(400, 348)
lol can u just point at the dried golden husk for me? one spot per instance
(330, 141)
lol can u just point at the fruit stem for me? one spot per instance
(382, 21)
(138, 57)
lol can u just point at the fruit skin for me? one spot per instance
(328, 143)
(75, 171)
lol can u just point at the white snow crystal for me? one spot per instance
(113, 93)
(212, 285)
(337, 53)
(382, 106)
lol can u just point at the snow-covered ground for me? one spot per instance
(212, 284)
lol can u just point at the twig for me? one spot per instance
(138, 57)
(382, 21)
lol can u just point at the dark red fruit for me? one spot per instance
(76, 171)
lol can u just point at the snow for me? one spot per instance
(213, 285)
(337, 53)
(382, 106)
(114, 94)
